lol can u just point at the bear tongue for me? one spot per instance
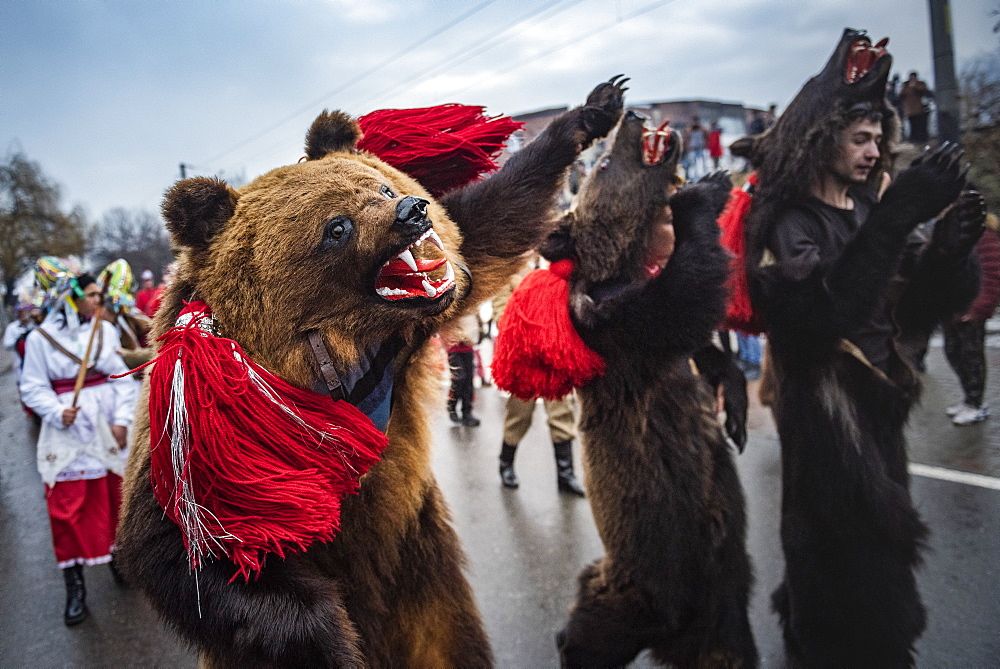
(398, 281)
(399, 267)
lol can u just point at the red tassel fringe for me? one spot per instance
(739, 313)
(265, 474)
(538, 352)
(442, 147)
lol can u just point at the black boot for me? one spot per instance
(453, 411)
(469, 420)
(564, 469)
(507, 475)
(76, 596)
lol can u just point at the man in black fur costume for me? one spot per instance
(822, 258)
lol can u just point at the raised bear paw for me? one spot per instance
(718, 178)
(718, 185)
(957, 232)
(603, 108)
(701, 203)
(929, 185)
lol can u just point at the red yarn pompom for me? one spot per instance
(739, 312)
(538, 351)
(442, 147)
(245, 463)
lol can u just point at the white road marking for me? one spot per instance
(943, 474)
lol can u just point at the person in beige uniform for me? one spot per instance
(561, 417)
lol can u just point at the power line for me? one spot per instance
(492, 40)
(447, 63)
(574, 40)
(402, 52)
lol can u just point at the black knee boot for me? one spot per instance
(507, 475)
(453, 410)
(76, 595)
(564, 469)
(467, 418)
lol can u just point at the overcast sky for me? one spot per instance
(109, 97)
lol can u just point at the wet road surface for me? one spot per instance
(526, 546)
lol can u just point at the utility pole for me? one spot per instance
(945, 85)
(183, 171)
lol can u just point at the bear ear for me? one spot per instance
(559, 244)
(197, 209)
(331, 132)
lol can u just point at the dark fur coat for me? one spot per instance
(660, 474)
(850, 534)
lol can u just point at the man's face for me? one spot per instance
(87, 306)
(857, 152)
(147, 283)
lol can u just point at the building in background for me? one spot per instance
(733, 117)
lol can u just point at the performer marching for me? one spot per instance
(81, 447)
(824, 258)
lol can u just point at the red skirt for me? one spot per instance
(83, 516)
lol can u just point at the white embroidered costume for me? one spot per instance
(86, 449)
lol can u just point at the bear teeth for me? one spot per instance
(407, 257)
(396, 283)
(432, 236)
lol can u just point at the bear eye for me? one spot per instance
(337, 232)
(387, 192)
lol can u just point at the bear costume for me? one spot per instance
(659, 471)
(323, 246)
(849, 531)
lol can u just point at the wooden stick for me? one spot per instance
(98, 316)
(82, 373)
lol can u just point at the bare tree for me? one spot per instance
(138, 236)
(980, 113)
(32, 222)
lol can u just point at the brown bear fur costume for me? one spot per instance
(850, 533)
(300, 249)
(660, 476)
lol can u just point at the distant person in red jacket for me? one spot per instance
(146, 292)
(965, 335)
(715, 144)
(154, 302)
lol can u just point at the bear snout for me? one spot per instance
(411, 214)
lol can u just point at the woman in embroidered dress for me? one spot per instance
(81, 449)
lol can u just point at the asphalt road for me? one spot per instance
(526, 547)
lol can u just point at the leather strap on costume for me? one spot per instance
(903, 376)
(66, 385)
(326, 366)
(59, 347)
(465, 270)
